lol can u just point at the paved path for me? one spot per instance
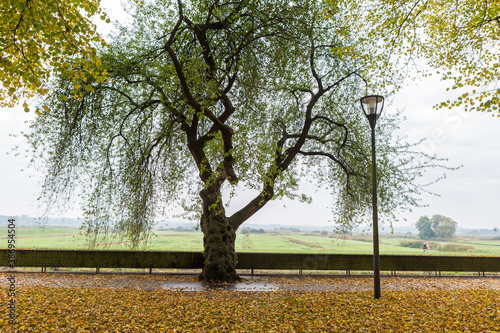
(248, 283)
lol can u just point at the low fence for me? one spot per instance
(250, 261)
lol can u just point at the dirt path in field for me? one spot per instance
(296, 241)
(123, 242)
(63, 235)
(257, 283)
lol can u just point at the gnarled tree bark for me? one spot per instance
(219, 238)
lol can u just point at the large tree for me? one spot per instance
(203, 98)
(38, 37)
(443, 226)
(438, 226)
(424, 226)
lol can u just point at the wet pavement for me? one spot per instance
(190, 283)
(247, 284)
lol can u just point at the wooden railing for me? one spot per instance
(251, 261)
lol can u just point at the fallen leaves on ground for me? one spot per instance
(91, 303)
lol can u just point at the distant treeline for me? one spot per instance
(252, 231)
(479, 232)
(289, 229)
(179, 228)
(25, 220)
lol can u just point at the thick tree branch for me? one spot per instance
(342, 164)
(337, 124)
(252, 207)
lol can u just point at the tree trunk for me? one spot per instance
(218, 240)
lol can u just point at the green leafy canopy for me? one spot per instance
(42, 37)
(201, 97)
(457, 39)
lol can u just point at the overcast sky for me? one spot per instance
(469, 196)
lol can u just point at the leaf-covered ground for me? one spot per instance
(136, 303)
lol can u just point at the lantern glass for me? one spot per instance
(372, 105)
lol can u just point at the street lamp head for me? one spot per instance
(372, 107)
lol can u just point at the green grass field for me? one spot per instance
(272, 241)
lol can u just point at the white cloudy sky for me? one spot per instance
(470, 195)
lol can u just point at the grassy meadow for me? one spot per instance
(271, 241)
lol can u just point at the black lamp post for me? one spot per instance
(372, 107)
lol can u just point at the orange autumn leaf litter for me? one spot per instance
(138, 303)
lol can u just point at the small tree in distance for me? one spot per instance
(443, 226)
(424, 226)
(438, 226)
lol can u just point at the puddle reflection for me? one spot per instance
(246, 285)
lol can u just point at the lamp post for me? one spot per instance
(372, 107)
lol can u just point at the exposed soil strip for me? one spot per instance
(128, 241)
(296, 241)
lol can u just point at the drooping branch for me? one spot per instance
(347, 169)
(342, 164)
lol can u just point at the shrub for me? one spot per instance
(257, 231)
(456, 248)
(363, 239)
(418, 244)
(412, 244)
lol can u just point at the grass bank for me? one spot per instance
(271, 241)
